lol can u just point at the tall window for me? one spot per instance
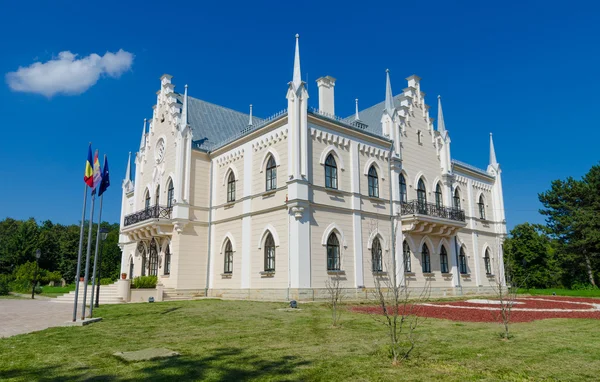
(419, 137)
(271, 175)
(142, 250)
(487, 262)
(444, 260)
(167, 267)
(333, 253)
(406, 253)
(376, 257)
(425, 259)
(373, 182)
(269, 253)
(231, 187)
(421, 197)
(153, 259)
(131, 268)
(438, 196)
(456, 199)
(147, 201)
(481, 205)
(331, 179)
(228, 259)
(157, 195)
(170, 193)
(403, 197)
(462, 261)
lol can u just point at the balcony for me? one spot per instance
(152, 212)
(429, 218)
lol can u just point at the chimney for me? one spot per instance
(326, 100)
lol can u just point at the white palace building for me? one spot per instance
(227, 204)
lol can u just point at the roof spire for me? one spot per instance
(440, 120)
(356, 117)
(128, 172)
(185, 107)
(493, 161)
(143, 141)
(389, 98)
(250, 119)
(297, 79)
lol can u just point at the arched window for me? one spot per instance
(403, 197)
(271, 174)
(331, 179)
(406, 253)
(269, 253)
(167, 268)
(438, 196)
(131, 268)
(425, 259)
(456, 199)
(231, 187)
(462, 260)
(444, 260)
(376, 257)
(481, 205)
(487, 262)
(420, 137)
(333, 253)
(142, 250)
(153, 259)
(421, 192)
(147, 200)
(228, 259)
(170, 193)
(157, 195)
(373, 182)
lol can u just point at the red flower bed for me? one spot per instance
(531, 309)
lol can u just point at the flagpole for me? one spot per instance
(87, 255)
(85, 187)
(96, 258)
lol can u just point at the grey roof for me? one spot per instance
(212, 123)
(372, 115)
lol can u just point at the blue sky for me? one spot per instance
(526, 71)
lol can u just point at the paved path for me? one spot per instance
(24, 316)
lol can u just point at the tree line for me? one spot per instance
(59, 245)
(565, 252)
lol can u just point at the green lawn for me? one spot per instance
(234, 341)
(55, 291)
(562, 292)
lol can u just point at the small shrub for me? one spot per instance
(106, 281)
(4, 288)
(20, 286)
(581, 286)
(144, 282)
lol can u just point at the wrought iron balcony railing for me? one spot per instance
(152, 212)
(416, 207)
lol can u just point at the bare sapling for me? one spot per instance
(335, 296)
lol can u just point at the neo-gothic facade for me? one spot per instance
(227, 204)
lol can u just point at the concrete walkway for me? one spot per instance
(25, 316)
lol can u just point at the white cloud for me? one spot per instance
(67, 74)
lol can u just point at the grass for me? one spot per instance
(55, 291)
(562, 292)
(242, 340)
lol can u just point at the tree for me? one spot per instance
(397, 302)
(530, 256)
(335, 295)
(572, 208)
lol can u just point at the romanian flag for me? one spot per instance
(97, 177)
(88, 175)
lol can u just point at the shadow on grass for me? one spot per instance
(222, 365)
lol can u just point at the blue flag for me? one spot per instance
(105, 182)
